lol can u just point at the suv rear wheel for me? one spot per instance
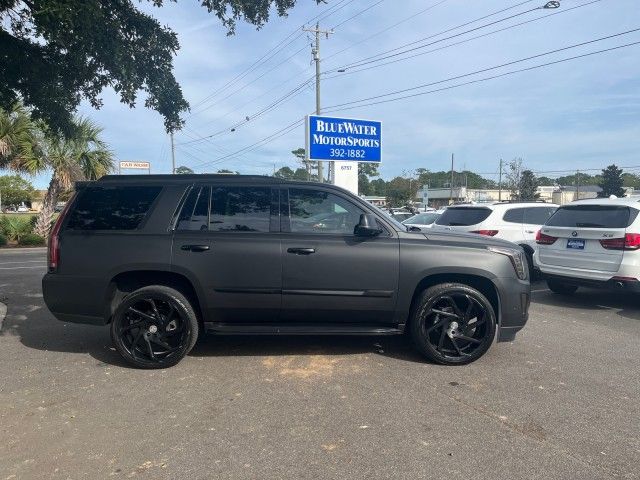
(154, 327)
(453, 324)
(561, 288)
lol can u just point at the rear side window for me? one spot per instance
(593, 216)
(462, 217)
(241, 209)
(538, 215)
(515, 215)
(112, 208)
(195, 211)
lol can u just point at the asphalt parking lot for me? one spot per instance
(562, 401)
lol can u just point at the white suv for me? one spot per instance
(516, 222)
(591, 243)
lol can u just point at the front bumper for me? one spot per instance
(515, 298)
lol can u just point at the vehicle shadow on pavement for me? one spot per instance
(624, 304)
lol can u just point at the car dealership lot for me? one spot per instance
(560, 402)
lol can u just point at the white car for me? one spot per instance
(422, 220)
(592, 243)
(517, 222)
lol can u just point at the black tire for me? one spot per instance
(561, 288)
(452, 324)
(154, 327)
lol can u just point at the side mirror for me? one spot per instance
(367, 226)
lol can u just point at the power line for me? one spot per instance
(379, 32)
(396, 92)
(353, 64)
(466, 40)
(357, 14)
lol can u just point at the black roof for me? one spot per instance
(188, 178)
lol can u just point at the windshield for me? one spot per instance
(593, 216)
(463, 216)
(422, 219)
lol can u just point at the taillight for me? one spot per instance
(54, 239)
(631, 241)
(488, 233)
(543, 239)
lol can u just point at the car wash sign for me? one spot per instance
(343, 139)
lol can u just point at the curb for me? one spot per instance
(22, 249)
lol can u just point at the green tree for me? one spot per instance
(366, 170)
(514, 171)
(527, 186)
(228, 172)
(84, 156)
(15, 190)
(546, 181)
(55, 53)
(284, 172)
(611, 183)
(182, 170)
(378, 187)
(20, 146)
(400, 192)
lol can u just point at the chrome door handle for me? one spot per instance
(301, 251)
(195, 248)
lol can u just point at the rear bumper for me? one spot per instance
(612, 284)
(74, 299)
(515, 297)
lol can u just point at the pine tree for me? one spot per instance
(611, 182)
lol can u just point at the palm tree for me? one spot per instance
(20, 141)
(81, 156)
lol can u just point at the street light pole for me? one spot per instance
(173, 154)
(316, 57)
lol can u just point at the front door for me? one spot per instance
(225, 241)
(328, 274)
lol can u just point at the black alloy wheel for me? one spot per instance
(453, 324)
(154, 327)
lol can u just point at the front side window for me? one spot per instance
(318, 211)
(112, 208)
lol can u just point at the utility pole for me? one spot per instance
(451, 184)
(500, 183)
(315, 51)
(577, 184)
(173, 154)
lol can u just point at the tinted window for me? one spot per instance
(538, 215)
(242, 209)
(515, 215)
(464, 216)
(112, 208)
(317, 211)
(195, 211)
(422, 219)
(593, 216)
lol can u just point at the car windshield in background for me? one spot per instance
(593, 216)
(463, 216)
(422, 219)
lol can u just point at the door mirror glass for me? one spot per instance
(367, 226)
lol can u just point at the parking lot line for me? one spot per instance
(24, 261)
(16, 268)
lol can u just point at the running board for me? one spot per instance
(219, 328)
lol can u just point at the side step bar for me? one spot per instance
(220, 328)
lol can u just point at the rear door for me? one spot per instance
(579, 230)
(329, 274)
(226, 240)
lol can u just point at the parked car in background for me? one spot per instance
(22, 209)
(422, 220)
(516, 222)
(592, 243)
(164, 258)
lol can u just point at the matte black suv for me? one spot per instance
(162, 258)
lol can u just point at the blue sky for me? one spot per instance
(581, 114)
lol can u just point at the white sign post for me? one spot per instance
(345, 142)
(126, 165)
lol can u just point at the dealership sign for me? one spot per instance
(343, 139)
(136, 165)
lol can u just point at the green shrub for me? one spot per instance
(31, 240)
(3, 240)
(15, 227)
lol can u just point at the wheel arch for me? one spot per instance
(481, 283)
(126, 282)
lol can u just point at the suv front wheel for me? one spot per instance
(453, 324)
(154, 327)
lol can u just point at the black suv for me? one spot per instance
(165, 257)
